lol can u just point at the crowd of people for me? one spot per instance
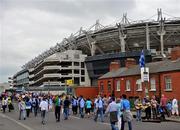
(156, 107)
(118, 110)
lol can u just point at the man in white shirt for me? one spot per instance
(44, 108)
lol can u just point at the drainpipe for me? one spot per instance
(160, 93)
(113, 91)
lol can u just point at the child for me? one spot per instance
(169, 107)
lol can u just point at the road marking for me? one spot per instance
(17, 122)
(75, 117)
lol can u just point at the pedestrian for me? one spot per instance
(169, 107)
(154, 104)
(44, 109)
(36, 106)
(57, 108)
(113, 110)
(163, 103)
(81, 106)
(9, 102)
(99, 109)
(175, 110)
(105, 100)
(147, 107)
(4, 104)
(119, 106)
(74, 105)
(22, 109)
(88, 106)
(28, 106)
(138, 106)
(66, 108)
(127, 115)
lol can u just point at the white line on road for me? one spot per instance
(102, 123)
(75, 117)
(17, 122)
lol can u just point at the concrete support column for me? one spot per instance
(122, 40)
(93, 48)
(147, 37)
(162, 43)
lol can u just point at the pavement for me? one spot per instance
(173, 119)
(10, 121)
(170, 119)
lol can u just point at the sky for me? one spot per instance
(29, 27)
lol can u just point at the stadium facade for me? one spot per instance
(125, 39)
(53, 72)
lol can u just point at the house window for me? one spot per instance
(153, 84)
(118, 85)
(109, 86)
(128, 85)
(139, 85)
(168, 83)
(101, 87)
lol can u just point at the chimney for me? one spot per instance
(175, 53)
(130, 62)
(114, 65)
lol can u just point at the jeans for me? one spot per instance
(113, 126)
(57, 113)
(154, 111)
(28, 112)
(81, 112)
(123, 123)
(148, 113)
(35, 111)
(66, 113)
(43, 116)
(138, 114)
(99, 111)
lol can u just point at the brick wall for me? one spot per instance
(175, 77)
(159, 82)
(87, 92)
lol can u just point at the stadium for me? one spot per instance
(125, 39)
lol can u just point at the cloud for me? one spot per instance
(29, 27)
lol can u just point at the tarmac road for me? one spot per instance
(9, 121)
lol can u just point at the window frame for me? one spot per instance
(118, 85)
(169, 83)
(109, 87)
(137, 85)
(153, 85)
(101, 87)
(128, 88)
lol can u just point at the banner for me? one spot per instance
(69, 82)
